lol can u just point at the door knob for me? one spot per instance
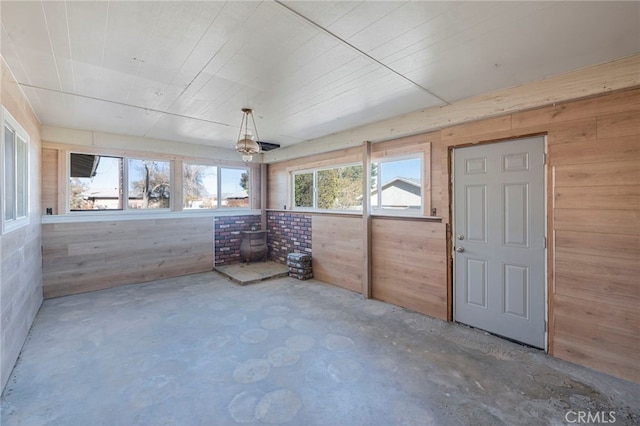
(459, 249)
(460, 237)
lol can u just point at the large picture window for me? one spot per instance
(97, 183)
(15, 174)
(336, 188)
(214, 187)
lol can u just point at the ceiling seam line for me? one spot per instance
(73, 74)
(361, 52)
(62, 92)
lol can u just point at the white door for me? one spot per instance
(499, 239)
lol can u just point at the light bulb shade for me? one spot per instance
(246, 158)
(247, 145)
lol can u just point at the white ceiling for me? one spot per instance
(182, 70)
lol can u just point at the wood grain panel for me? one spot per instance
(596, 151)
(572, 131)
(598, 278)
(337, 250)
(477, 128)
(88, 256)
(598, 335)
(601, 221)
(409, 265)
(596, 244)
(598, 197)
(607, 174)
(568, 111)
(620, 124)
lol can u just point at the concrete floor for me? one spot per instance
(199, 350)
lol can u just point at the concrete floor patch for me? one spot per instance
(254, 335)
(278, 406)
(300, 343)
(251, 371)
(283, 357)
(273, 323)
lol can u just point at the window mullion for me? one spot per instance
(315, 189)
(219, 187)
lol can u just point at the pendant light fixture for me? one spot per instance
(247, 144)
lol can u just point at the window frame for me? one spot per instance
(11, 123)
(176, 202)
(314, 172)
(224, 208)
(125, 185)
(124, 182)
(377, 210)
(219, 167)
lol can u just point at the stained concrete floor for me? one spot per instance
(199, 350)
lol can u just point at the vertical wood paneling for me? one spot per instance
(50, 180)
(337, 250)
(88, 256)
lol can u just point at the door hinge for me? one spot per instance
(546, 326)
(544, 158)
(545, 241)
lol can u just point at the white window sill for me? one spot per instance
(124, 216)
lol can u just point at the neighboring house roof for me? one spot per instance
(398, 191)
(401, 182)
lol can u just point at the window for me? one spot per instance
(397, 185)
(200, 187)
(213, 187)
(337, 188)
(95, 182)
(234, 188)
(15, 171)
(149, 184)
(303, 189)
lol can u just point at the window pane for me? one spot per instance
(350, 188)
(9, 174)
(95, 183)
(200, 186)
(303, 190)
(22, 178)
(149, 184)
(234, 187)
(400, 185)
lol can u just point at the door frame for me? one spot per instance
(549, 284)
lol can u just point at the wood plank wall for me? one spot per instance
(593, 215)
(50, 180)
(337, 250)
(88, 256)
(409, 264)
(20, 255)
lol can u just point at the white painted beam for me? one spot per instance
(133, 143)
